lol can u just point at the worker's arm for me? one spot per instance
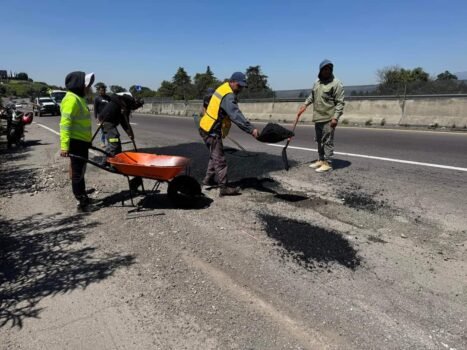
(125, 123)
(66, 121)
(339, 101)
(230, 106)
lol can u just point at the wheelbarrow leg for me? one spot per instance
(131, 191)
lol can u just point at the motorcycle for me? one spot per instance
(16, 122)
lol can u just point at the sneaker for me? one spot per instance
(229, 191)
(316, 165)
(324, 167)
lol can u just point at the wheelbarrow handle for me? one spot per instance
(100, 166)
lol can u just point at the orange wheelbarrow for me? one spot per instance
(183, 190)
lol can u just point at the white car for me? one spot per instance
(45, 105)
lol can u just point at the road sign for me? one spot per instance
(138, 88)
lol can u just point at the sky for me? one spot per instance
(144, 42)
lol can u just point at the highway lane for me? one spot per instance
(421, 146)
(440, 148)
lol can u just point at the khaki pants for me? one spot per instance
(325, 140)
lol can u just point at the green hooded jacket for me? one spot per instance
(327, 97)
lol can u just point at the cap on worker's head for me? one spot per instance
(88, 79)
(240, 78)
(325, 63)
(101, 86)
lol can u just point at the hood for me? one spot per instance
(77, 81)
(324, 64)
(74, 82)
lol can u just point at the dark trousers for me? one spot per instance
(217, 166)
(325, 140)
(78, 167)
(114, 145)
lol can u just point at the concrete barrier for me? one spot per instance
(449, 111)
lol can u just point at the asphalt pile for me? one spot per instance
(311, 247)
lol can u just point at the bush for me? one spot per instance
(383, 122)
(368, 122)
(345, 122)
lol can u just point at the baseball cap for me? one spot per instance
(240, 78)
(88, 79)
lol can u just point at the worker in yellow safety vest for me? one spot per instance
(76, 132)
(215, 124)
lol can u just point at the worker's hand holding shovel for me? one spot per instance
(334, 122)
(64, 153)
(301, 110)
(255, 133)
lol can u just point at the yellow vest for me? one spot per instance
(75, 121)
(212, 112)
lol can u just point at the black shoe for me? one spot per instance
(229, 191)
(85, 205)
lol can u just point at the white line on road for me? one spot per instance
(133, 123)
(431, 165)
(57, 133)
(50, 129)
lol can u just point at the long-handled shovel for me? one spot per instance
(284, 150)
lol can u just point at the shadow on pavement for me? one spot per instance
(340, 164)
(153, 200)
(241, 164)
(40, 258)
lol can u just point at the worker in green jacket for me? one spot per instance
(327, 97)
(76, 132)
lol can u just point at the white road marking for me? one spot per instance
(133, 123)
(57, 133)
(431, 165)
(50, 129)
(401, 161)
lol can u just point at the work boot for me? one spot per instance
(209, 181)
(316, 165)
(229, 191)
(324, 167)
(85, 205)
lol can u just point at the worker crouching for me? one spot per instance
(117, 112)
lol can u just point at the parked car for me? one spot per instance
(45, 105)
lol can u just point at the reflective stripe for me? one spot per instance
(114, 140)
(65, 127)
(218, 95)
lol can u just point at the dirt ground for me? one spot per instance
(289, 264)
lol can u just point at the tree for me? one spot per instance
(257, 84)
(203, 81)
(396, 80)
(166, 89)
(116, 88)
(447, 75)
(181, 81)
(22, 76)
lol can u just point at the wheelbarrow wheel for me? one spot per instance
(184, 191)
